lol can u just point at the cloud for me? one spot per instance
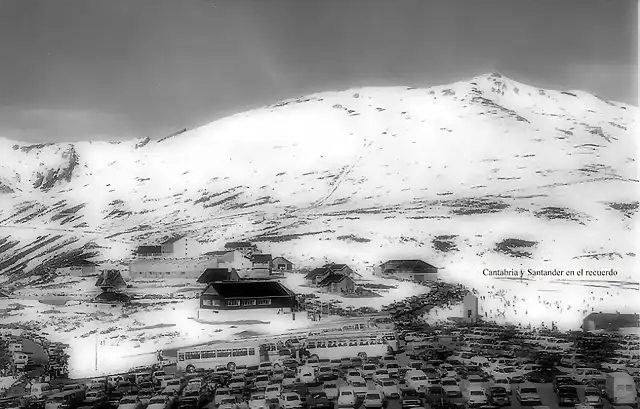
(60, 125)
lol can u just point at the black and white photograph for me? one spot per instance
(319, 204)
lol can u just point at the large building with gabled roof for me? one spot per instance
(232, 295)
(412, 270)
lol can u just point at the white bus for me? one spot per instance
(362, 344)
(229, 354)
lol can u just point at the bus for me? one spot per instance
(228, 354)
(360, 344)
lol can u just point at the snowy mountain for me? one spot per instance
(486, 172)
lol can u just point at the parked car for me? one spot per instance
(319, 400)
(388, 388)
(290, 400)
(130, 402)
(346, 398)
(159, 402)
(474, 397)
(451, 387)
(567, 395)
(593, 397)
(330, 389)
(374, 400)
(527, 394)
(498, 396)
(409, 398)
(561, 380)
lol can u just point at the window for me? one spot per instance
(266, 301)
(192, 355)
(215, 302)
(180, 356)
(248, 302)
(206, 302)
(240, 352)
(208, 354)
(233, 303)
(252, 351)
(183, 273)
(223, 353)
(167, 273)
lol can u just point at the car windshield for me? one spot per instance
(393, 366)
(292, 398)
(127, 401)
(221, 392)
(346, 393)
(257, 397)
(498, 391)
(358, 384)
(509, 369)
(528, 390)
(448, 382)
(228, 401)
(156, 401)
(369, 367)
(591, 392)
(567, 390)
(477, 393)
(373, 396)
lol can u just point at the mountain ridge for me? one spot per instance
(326, 162)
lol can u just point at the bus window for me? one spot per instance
(223, 353)
(208, 354)
(311, 344)
(192, 355)
(343, 343)
(240, 352)
(353, 343)
(181, 356)
(252, 351)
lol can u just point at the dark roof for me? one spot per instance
(111, 278)
(110, 296)
(4, 295)
(316, 272)
(236, 244)
(614, 321)
(335, 266)
(149, 249)
(283, 259)
(332, 278)
(261, 258)
(82, 263)
(217, 253)
(218, 274)
(250, 289)
(413, 264)
(174, 239)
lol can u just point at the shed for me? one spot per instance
(111, 279)
(112, 297)
(282, 264)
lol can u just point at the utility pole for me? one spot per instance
(96, 355)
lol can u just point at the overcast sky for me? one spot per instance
(117, 69)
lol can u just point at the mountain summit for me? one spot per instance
(361, 175)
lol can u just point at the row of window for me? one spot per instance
(237, 303)
(345, 343)
(217, 353)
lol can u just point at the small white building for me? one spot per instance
(177, 247)
(79, 268)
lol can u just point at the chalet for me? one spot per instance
(212, 275)
(610, 322)
(413, 270)
(316, 275)
(244, 247)
(282, 264)
(261, 265)
(337, 283)
(78, 268)
(170, 268)
(228, 295)
(110, 280)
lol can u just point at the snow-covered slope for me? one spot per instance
(483, 169)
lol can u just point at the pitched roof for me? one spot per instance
(614, 321)
(236, 244)
(218, 274)
(316, 272)
(261, 258)
(412, 264)
(111, 278)
(110, 296)
(332, 278)
(217, 253)
(335, 266)
(280, 258)
(249, 289)
(174, 239)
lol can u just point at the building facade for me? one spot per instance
(170, 268)
(412, 270)
(610, 322)
(470, 308)
(282, 264)
(338, 283)
(177, 247)
(261, 265)
(244, 247)
(230, 295)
